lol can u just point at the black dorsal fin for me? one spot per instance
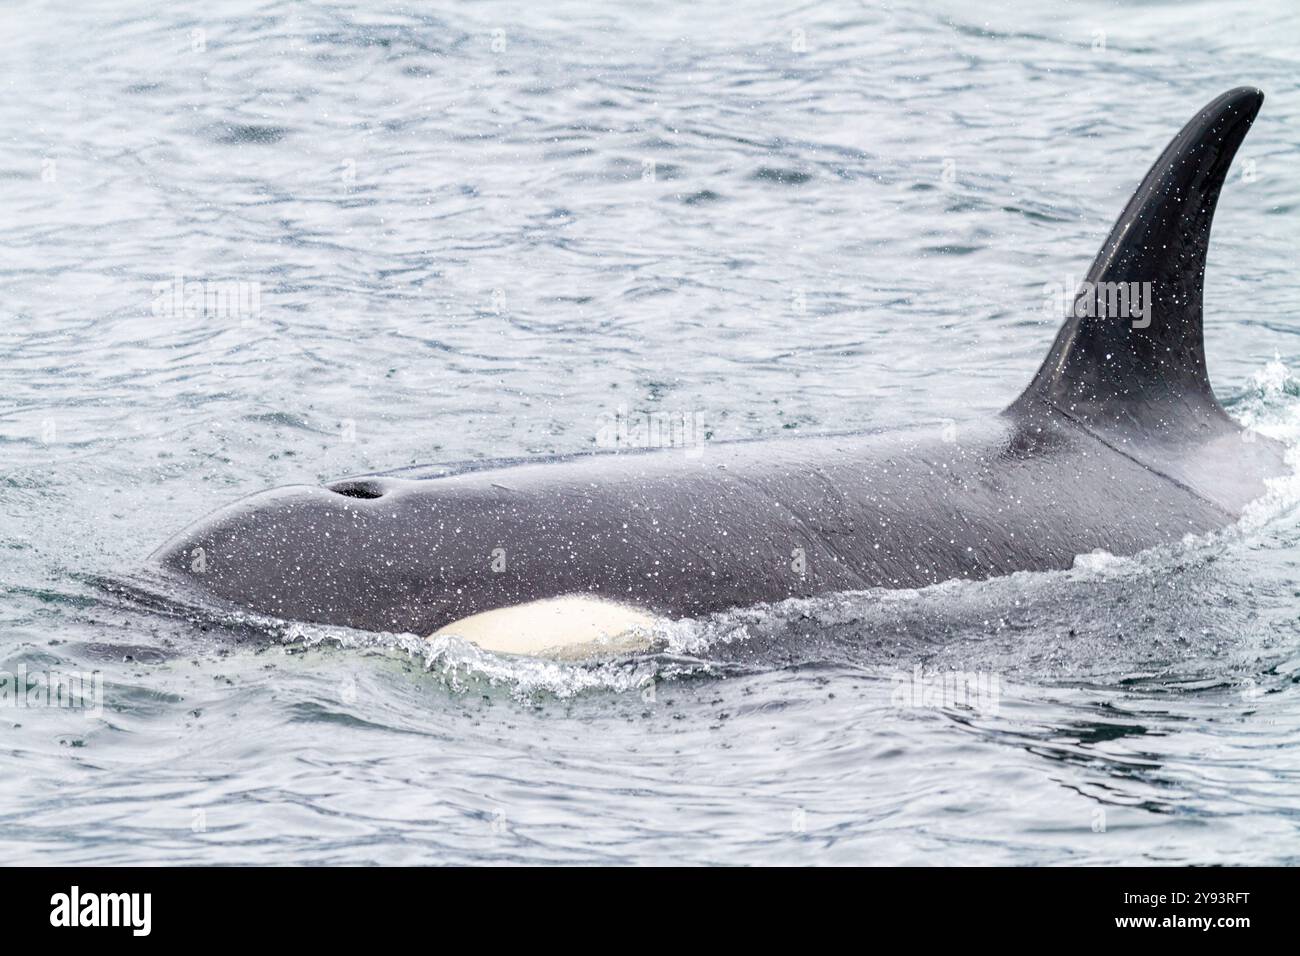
(1137, 367)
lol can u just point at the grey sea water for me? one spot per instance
(457, 231)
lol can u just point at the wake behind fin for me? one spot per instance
(1130, 358)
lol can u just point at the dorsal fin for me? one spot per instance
(1131, 366)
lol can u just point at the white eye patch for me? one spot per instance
(572, 627)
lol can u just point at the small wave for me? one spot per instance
(1101, 562)
(466, 668)
(1270, 407)
(239, 134)
(1268, 404)
(785, 177)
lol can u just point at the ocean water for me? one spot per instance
(450, 231)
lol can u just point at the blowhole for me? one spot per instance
(366, 490)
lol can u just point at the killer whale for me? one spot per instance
(1118, 443)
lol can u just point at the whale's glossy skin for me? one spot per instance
(1118, 444)
(742, 523)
